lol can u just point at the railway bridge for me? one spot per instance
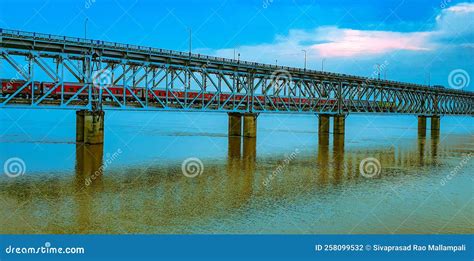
(90, 76)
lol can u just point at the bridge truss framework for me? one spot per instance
(194, 82)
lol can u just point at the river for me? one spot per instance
(283, 181)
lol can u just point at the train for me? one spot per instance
(9, 87)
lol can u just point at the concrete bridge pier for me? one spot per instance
(243, 125)
(250, 125)
(235, 124)
(339, 124)
(323, 127)
(323, 139)
(233, 147)
(323, 130)
(421, 125)
(435, 125)
(90, 127)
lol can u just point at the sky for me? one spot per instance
(416, 41)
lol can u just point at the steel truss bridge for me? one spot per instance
(48, 71)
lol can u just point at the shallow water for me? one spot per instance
(285, 181)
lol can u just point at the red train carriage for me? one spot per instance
(9, 87)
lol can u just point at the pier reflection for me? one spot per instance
(421, 148)
(338, 157)
(88, 182)
(249, 155)
(434, 146)
(323, 159)
(88, 167)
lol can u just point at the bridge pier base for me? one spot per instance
(339, 124)
(323, 127)
(235, 124)
(233, 147)
(421, 125)
(435, 125)
(338, 129)
(250, 125)
(90, 127)
(242, 126)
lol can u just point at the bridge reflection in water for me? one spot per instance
(227, 197)
(162, 201)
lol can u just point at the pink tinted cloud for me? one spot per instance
(348, 42)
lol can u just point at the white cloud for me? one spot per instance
(456, 21)
(334, 42)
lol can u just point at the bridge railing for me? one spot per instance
(98, 43)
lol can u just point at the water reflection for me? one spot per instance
(434, 146)
(421, 148)
(249, 155)
(338, 156)
(228, 197)
(323, 159)
(88, 182)
(89, 163)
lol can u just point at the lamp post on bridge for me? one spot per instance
(378, 71)
(304, 58)
(322, 64)
(190, 40)
(85, 28)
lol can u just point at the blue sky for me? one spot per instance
(411, 38)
